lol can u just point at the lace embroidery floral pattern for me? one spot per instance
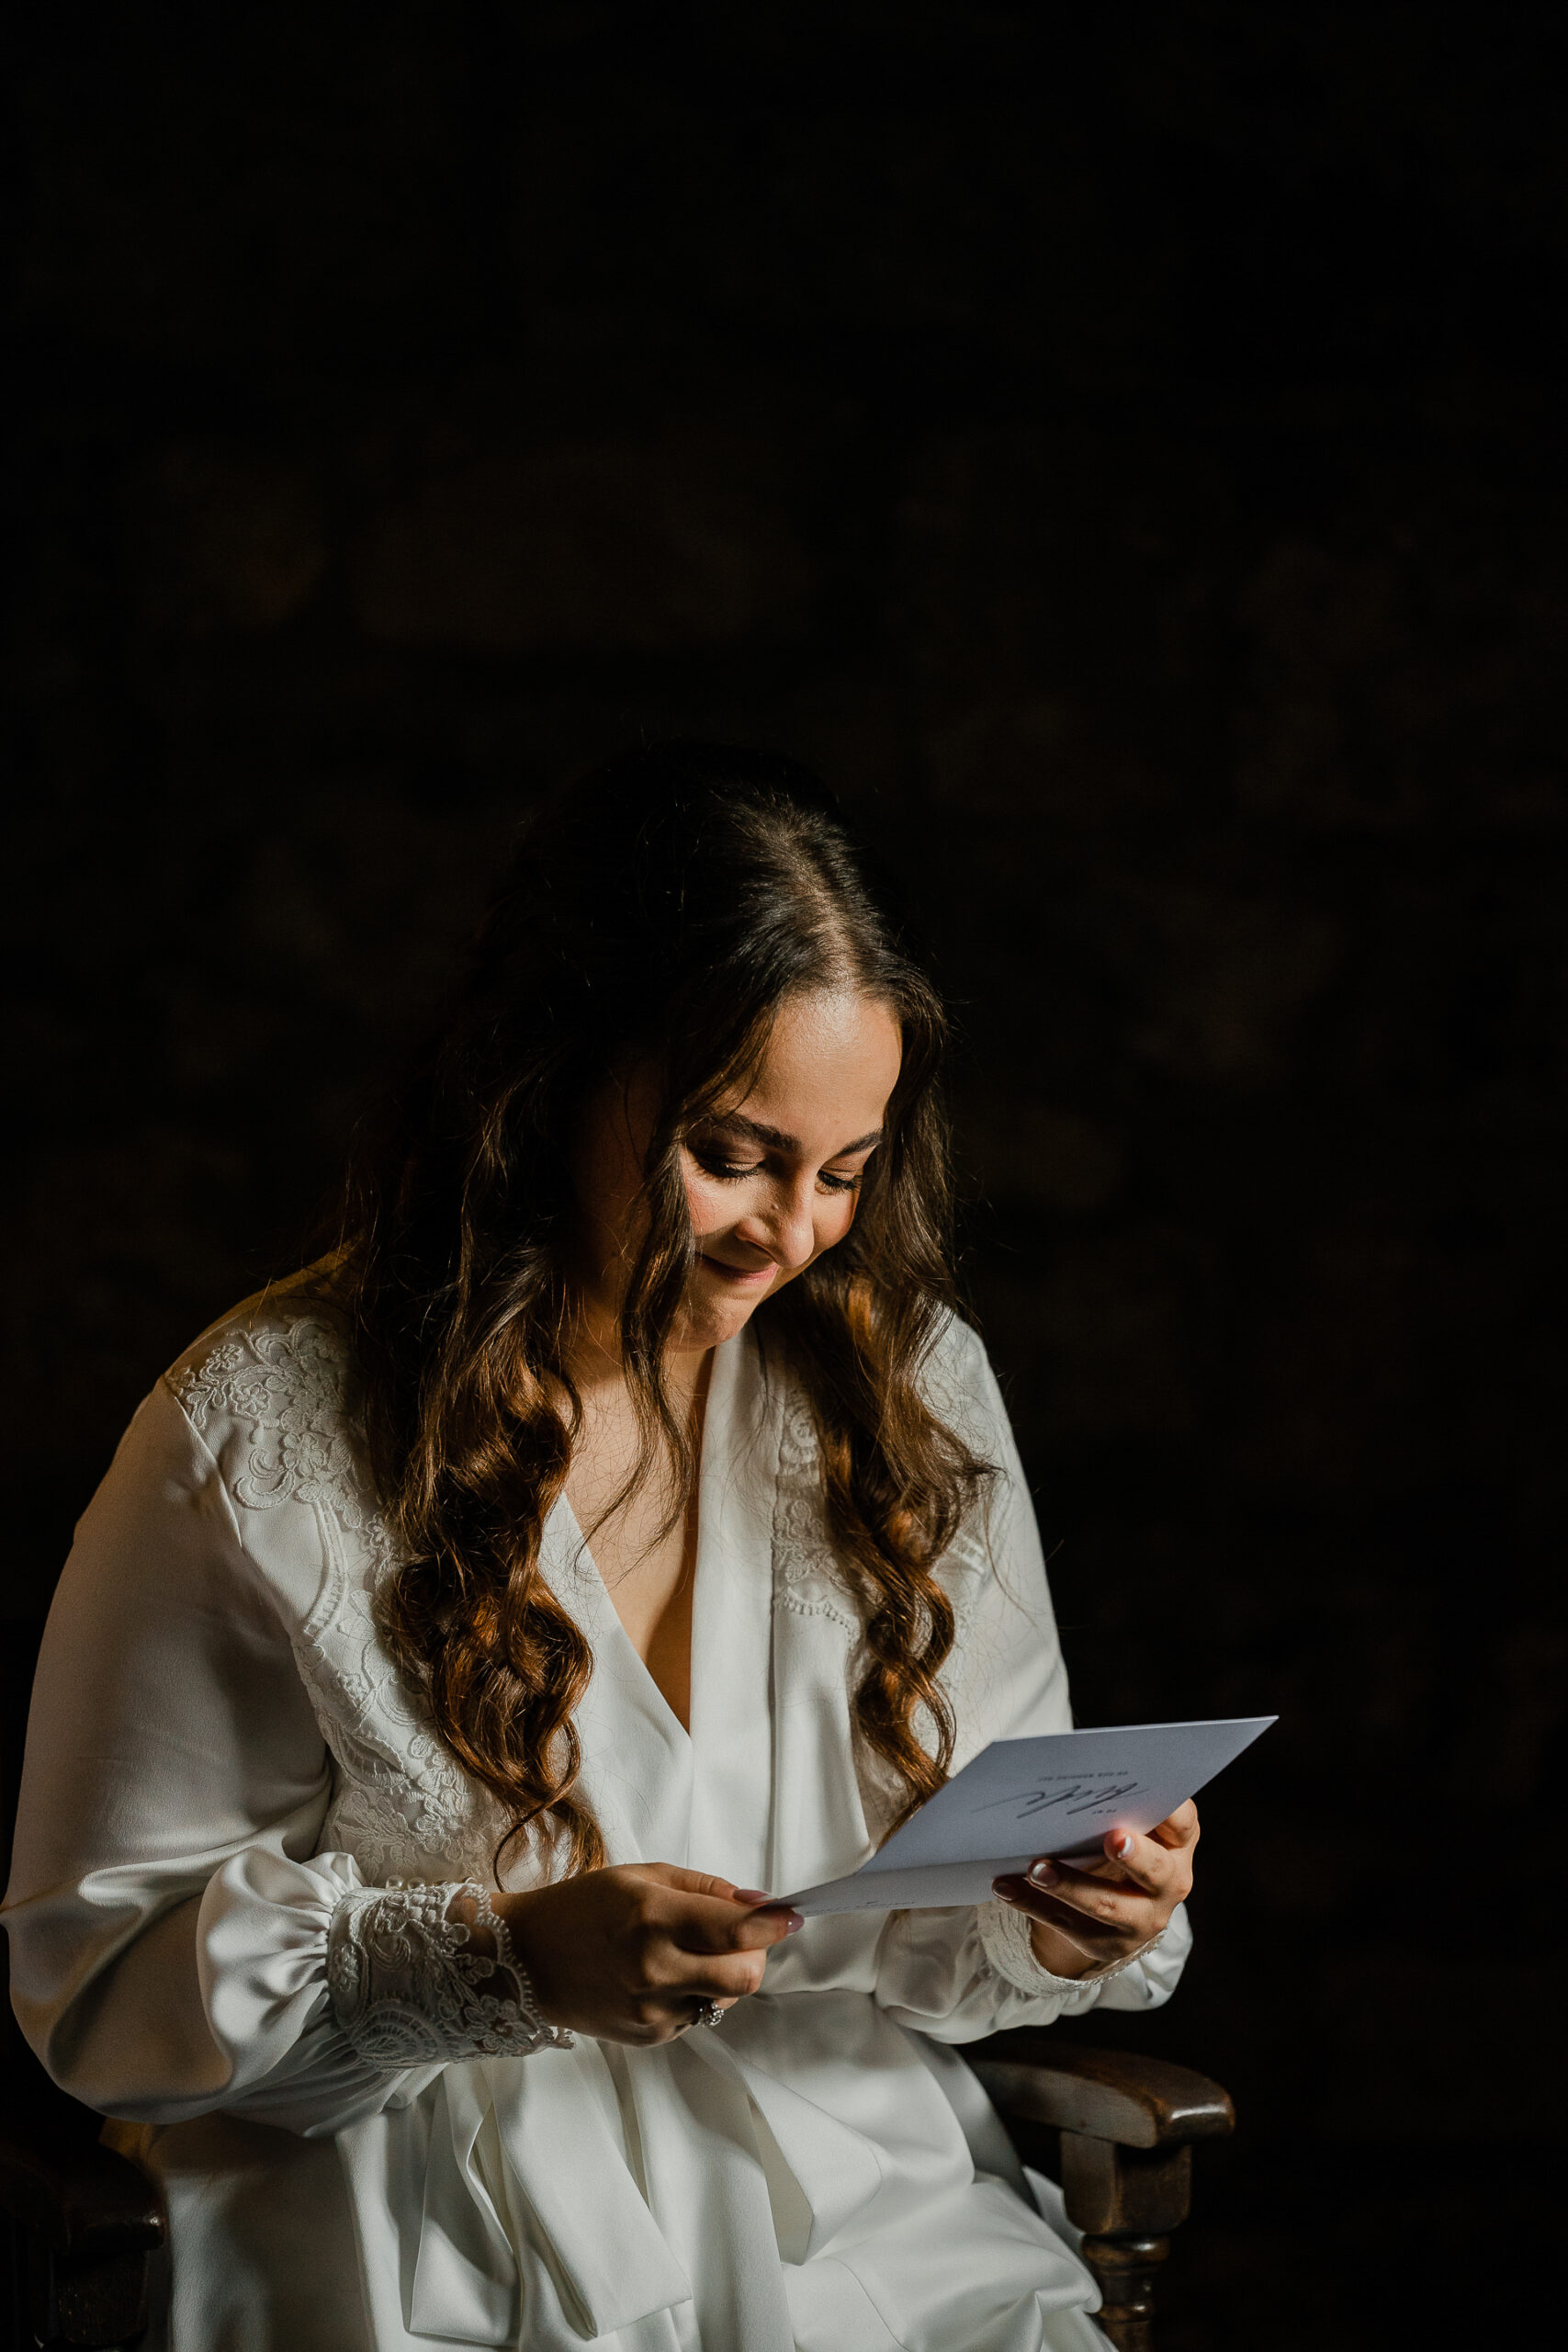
(409, 1988)
(290, 1385)
(401, 1801)
(806, 1578)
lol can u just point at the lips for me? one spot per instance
(749, 1277)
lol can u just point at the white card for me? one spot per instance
(1021, 1798)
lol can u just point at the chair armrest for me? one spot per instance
(1116, 2095)
(85, 2219)
(1127, 2125)
(79, 2198)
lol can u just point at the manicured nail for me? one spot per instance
(794, 1923)
(1043, 1873)
(751, 1895)
(1121, 1843)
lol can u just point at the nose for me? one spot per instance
(786, 1229)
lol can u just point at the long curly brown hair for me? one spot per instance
(659, 913)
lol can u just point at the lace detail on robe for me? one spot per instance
(410, 1987)
(402, 1802)
(290, 1386)
(807, 1579)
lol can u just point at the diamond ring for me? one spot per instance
(709, 2013)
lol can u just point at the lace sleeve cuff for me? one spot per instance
(1009, 1948)
(412, 1985)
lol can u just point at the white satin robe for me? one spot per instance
(219, 1749)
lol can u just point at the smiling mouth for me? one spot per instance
(750, 1275)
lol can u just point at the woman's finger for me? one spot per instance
(759, 1930)
(698, 1923)
(1103, 1906)
(1179, 1828)
(682, 1882)
(1144, 1868)
(682, 1976)
(1146, 1862)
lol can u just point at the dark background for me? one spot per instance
(1125, 456)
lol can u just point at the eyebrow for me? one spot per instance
(755, 1131)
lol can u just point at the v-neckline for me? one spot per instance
(642, 1672)
(704, 1795)
(692, 1538)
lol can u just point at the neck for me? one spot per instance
(593, 1357)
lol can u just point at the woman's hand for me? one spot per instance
(630, 1954)
(1087, 1918)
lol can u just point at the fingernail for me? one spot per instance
(1121, 1844)
(751, 1895)
(1042, 1874)
(794, 1923)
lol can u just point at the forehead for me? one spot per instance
(832, 1060)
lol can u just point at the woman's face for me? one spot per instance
(771, 1178)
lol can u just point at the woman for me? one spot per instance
(619, 1528)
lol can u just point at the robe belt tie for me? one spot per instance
(521, 2147)
(522, 2151)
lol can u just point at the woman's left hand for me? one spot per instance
(1086, 1917)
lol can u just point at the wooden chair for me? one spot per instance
(82, 2222)
(1124, 2125)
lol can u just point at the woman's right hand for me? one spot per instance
(629, 1954)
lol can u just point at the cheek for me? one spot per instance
(835, 1214)
(710, 1206)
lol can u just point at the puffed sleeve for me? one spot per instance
(172, 1928)
(956, 1974)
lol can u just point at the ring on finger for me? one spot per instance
(709, 2013)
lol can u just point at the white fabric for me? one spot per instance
(221, 1754)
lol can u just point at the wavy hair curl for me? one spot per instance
(659, 913)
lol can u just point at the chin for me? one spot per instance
(709, 1324)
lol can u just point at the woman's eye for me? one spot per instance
(734, 1171)
(729, 1171)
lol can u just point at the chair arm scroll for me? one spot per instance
(1116, 2095)
(1127, 2124)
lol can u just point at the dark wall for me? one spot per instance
(1125, 456)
